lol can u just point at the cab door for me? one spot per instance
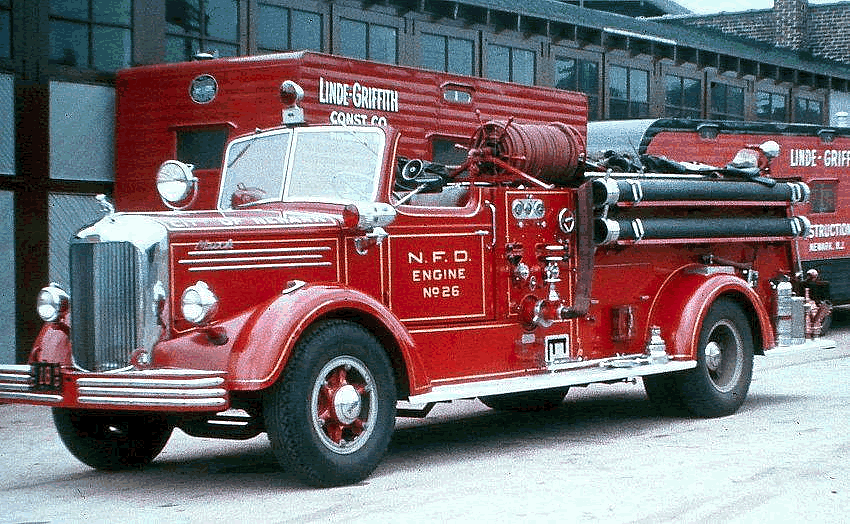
(439, 258)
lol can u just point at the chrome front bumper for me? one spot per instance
(146, 390)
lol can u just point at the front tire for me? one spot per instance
(110, 441)
(331, 415)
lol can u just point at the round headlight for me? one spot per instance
(51, 303)
(199, 303)
(176, 184)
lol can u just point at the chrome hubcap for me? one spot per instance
(347, 404)
(724, 355)
(712, 356)
(343, 405)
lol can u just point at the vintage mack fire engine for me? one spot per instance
(335, 278)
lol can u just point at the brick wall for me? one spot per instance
(819, 29)
(828, 31)
(791, 20)
(757, 25)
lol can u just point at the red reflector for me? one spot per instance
(350, 216)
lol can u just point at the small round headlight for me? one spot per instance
(51, 303)
(176, 184)
(199, 303)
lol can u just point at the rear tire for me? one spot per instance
(718, 385)
(112, 441)
(330, 416)
(541, 400)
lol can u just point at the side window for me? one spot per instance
(203, 148)
(823, 196)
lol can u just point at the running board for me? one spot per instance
(580, 374)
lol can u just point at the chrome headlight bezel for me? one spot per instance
(176, 184)
(198, 303)
(52, 302)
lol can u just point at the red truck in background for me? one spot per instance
(325, 278)
(814, 154)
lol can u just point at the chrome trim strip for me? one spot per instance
(18, 379)
(258, 251)
(152, 383)
(35, 397)
(156, 402)
(25, 386)
(151, 392)
(260, 266)
(249, 259)
(590, 373)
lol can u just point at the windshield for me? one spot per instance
(320, 164)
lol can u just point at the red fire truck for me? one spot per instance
(333, 275)
(816, 155)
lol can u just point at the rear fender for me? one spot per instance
(266, 341)
(681, 305)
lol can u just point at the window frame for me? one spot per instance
(728, 82)
(567, 53)
(682, 73)
(810, 97)
(771, 90)
(6, 8)
(629, 66)
(531, 44)
(824, 198)
(370, 19)
(317, 8)
(204, 42)
(459, 33)
(91, 24)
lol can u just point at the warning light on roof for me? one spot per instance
(290, 94)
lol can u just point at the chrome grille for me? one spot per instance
(105, 298)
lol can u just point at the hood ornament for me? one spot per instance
(105, 204)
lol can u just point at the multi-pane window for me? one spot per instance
(368, 41)
(282, 29)
(727, 102)
(5, 29)
(808, 111)
(581, 76)
(628, 93)
(91, 33)
(683, 97)
(195, 26)
(771, 107)
(823, 196)
(445, 53)
(510, 64)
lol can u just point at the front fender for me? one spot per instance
(681, 305)
(265, 343)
